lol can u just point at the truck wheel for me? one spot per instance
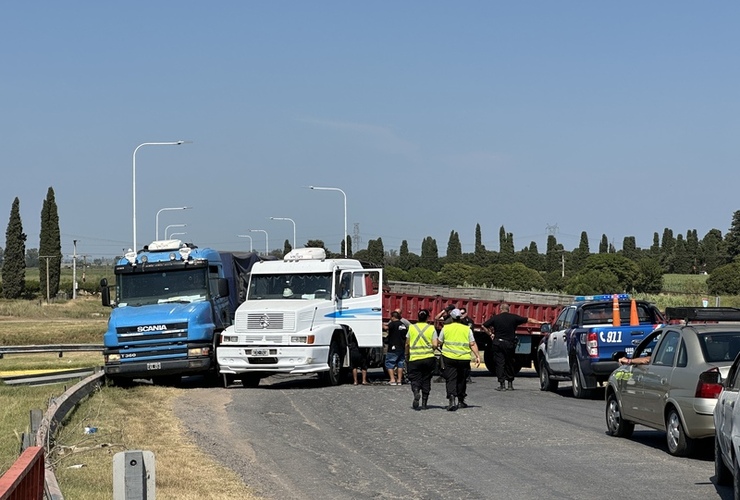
(488, 359)
(615, 424)
(251, 380)
(578, 390)
(121, 382)
(546, 383)
(679, 444)
(334, 375)
(167, 380)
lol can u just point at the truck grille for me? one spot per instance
(134, 334)
(264, 322)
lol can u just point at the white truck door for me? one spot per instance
(360, 304)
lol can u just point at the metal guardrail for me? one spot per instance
(51, 377)
(60, 348)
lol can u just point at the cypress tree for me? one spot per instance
(14, 262)
(50, 245)
(454, 248)
(287, 247)
(732, 237)
(604, 244)
(429, 254)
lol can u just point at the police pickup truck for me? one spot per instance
(582, 344)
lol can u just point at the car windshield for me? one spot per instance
(720, 346)
(290, 286)
(600, 313)
(184, 285)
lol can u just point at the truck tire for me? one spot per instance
(546, 383)
(615, 424)
(679, 444)
(167, 380)
(579, 391)
(251, 380)
(333, 376)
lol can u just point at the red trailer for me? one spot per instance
(481, 304)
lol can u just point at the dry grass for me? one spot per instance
(127, 419)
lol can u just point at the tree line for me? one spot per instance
(14, 255)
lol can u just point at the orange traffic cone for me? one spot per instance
(634, 319)
(615, 312)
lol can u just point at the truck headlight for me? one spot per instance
(230, 338)
(198, 351)
(302, 339)
(109, 358)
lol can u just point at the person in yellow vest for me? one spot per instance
(457, 343)
(421, 360)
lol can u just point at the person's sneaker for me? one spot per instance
(462, 404)
(501, 387)
(452, 406)
(415, 404)
(424, 404)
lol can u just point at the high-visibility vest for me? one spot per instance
(420, 341)
(456, 342)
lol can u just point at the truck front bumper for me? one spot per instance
(278, 359)
(158, 368)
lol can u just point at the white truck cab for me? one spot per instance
(299, 317)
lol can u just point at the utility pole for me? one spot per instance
(74, 271)
(47, 257)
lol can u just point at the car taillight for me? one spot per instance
(592, 344)
(709, 385)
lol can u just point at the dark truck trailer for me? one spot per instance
(481, 304)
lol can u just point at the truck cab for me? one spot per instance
(170, 298)
(299, 316)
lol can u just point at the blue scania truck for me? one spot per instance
(172, 300)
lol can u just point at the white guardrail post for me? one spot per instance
(133, 475)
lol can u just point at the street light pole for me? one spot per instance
(246, 236)
(173, 143)
(74, 270)
(345, 210)
(291, 220)
(172, 225)
(267, 241)
(156, 219)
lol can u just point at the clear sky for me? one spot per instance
(616, 118)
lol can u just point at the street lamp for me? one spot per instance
(172, 225)
(291, 220)
(345, 210)
(267, 241)
(246, 236)
(156, 219)
(173, 143)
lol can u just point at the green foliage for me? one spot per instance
(430, 254)
(50, 245)
(422, 275)
(625, 270)
(650, 279)
(455, 274)
(14, 263)
(392, 273)
(594, 281)
(732, 238)
(725, 280)
(454, 248)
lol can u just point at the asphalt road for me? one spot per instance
(293, 438)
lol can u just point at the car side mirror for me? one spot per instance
(545, 328)
(223, 287)
(104, 292)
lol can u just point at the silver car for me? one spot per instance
(727, 435)
(677, 389)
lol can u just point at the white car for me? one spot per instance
(727, 431)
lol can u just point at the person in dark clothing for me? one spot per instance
(395, 357)
(502, 329)
(357, 359)
(458, 344)
(467, 320)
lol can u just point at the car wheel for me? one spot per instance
(578, 390)
(334, 375)
(679, 444)
(615, 424)
(736, 480)
(722, 474)
(546, 384)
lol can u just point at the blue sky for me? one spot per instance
(616, 118)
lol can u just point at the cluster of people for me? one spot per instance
(446, 344)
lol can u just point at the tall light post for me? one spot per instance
(246, 236)
(172, 225)
(291, 220)
(74, 270)
(173, 143)
(156, 219)
(267, 241)
(345, 210)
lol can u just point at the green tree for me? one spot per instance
(732, 238)
(666, 248)
(692, 250)
(580, 254)
(654, 251)
(624, 269)
(422, 275)
(725, 280)
(679, 261)
(375, 251)
(454, 248)
(50, 245)
(455, 274)
(650, 279)
(32, 258)
(286, 247)
(592, 282)
(349, 247)
(604, 244)
(429, 254)
(629, 248)
(553, 255)
(14, 262)
(711, 251)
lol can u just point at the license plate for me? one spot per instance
(260, 352)
(154, 366)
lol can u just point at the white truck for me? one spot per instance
(299, 317)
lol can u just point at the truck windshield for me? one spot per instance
(290, 286)
(185, 285)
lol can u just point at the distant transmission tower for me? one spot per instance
(552, 230)
(356, 240)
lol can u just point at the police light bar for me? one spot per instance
(590, 298)
(703, 313)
